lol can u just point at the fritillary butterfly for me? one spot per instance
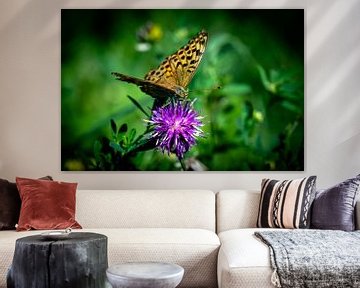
(174, 74)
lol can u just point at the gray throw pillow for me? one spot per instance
(334, 208)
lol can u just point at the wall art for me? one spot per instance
(182, 90)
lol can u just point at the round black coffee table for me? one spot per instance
(78, 260)
(145, 275)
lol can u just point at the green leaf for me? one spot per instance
(116, 147)
(123, 128)
(290, 106)
(144, 145)
(113, 126)
(137, 104)
(132, 135)
(271, 87)
(291, 90)
(263, 76)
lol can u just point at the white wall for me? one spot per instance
(30, 95)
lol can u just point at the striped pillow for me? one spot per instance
(286, 204)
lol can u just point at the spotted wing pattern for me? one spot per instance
(178, 69)
(174, 74)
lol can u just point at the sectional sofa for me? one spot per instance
(209, 234)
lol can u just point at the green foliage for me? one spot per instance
(118, 151)
(254, 122)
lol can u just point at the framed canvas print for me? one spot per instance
(182, 90)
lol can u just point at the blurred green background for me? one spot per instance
(254, 122)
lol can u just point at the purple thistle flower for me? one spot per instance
(176, 127)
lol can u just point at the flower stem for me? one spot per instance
(182, 164)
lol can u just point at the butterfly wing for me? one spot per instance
(150, 88)
(177, 70)
(174, 74)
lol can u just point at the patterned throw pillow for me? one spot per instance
(286, 204)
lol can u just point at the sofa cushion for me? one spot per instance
(46, 204)
(10, 204)
(153, 209)
(334, 208)
(236, 209)
(286, 204)
(194, 249)
(244, 260)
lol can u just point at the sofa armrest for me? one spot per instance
(357, 215)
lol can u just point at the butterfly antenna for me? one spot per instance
(206, 90)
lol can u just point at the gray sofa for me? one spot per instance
(210, 235)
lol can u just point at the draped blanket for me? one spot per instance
(313, 258)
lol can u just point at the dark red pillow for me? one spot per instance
(10, 204)
(46, 204)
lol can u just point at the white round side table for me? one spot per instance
(145, 275)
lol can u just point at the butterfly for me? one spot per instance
(174, 74)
